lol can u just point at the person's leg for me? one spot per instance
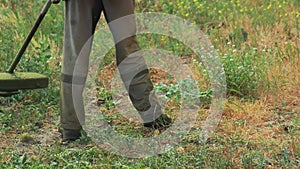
(81, 17)
(131, 64)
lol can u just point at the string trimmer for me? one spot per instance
(11, 82)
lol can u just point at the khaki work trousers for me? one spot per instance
(81, 17)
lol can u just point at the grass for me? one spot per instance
(258, 43)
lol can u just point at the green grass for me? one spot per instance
(258, 43)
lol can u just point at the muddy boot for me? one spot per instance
(70, 135)
(162, 122)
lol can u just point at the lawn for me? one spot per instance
(258, 44)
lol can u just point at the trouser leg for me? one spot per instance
(131, 64)
(81, 17)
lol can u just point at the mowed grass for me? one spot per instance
(258, 43)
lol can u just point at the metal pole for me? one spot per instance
(29, 37)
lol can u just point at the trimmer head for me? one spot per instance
(10, 83)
